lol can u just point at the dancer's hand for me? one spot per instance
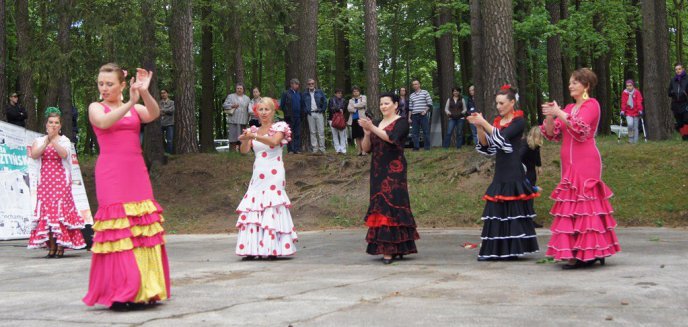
(551, 109)
(365, 123)
(143, 79)
(134, 94)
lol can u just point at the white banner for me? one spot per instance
(18, 183)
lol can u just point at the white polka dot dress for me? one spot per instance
(265, 226)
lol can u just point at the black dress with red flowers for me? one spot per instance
(508, 229)
(392, 229)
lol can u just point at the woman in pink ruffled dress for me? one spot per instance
(58, 224)
(583, 226)
(265, 226)
(129, 266)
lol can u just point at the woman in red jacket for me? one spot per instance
(632, 108)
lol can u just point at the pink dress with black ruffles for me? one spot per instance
(55, 209)
(583, 226)
(129, 260)
(265, 225)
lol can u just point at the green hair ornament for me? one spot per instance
(52, 110)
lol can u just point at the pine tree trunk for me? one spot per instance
(182, 52)
(207, 83)
(236, 42)
(3, 54)
(477, 52)
(554, 58)
(565, 59)
(372, 56)
(465, 54)
(656, 72)
(500, 63)
(522, 11)
(445, 62)
(601, 92)
(25, 72)
(64, 24)
(153, 150)
(342, 77)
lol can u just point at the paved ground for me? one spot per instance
(332, 282)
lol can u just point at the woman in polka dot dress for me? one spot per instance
(58, 225)
(265, 225)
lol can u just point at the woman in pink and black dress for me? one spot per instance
(129, 266)
(58, 225)
(583, 226)
(266, 229)
(391, 227)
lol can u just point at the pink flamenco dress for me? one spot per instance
(265, 226)
(583, 226)
(55, 209)
(129, 262)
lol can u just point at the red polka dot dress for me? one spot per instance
(265, 226)
(55, 209)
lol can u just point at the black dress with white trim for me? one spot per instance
(508, 229)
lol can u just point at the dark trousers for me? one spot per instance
(168, 135)
(451, 125)
(419, 121)
(295, 125)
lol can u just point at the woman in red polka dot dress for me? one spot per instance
(58, 225)
(265, 226)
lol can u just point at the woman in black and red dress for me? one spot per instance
(392, 229)
(508, 230)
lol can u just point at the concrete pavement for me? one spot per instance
(332, 282)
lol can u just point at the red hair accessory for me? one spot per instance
(505, 87)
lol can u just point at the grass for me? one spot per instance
(201, 191)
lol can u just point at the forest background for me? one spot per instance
(51, 51)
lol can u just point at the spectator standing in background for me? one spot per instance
(236, 107)
(420, 103)
(16, 114)
(253, 118)
(167, 120)
(470, 105)
(337, 105)
(314, 105)
(679, 100)
(290, 103)
(632, 109)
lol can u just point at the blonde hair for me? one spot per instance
(535, 139)
(113, 68)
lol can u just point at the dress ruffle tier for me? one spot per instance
(583, 226)
(508, 229)
(129, 259)
(265, 225)
(60, 218)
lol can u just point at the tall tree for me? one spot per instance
(291, 52)
(477, 53)
(499, 65)
(465, 61)
(602, 70)
(554, 57)
(3, 53)
(207, 80)
(182, 53)
(342, 75)
(24, 40)
(656, 72)
(64, 25)
(444, 54)
(235, 42)
(153, 149)
(372, 56)
(679, 6)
